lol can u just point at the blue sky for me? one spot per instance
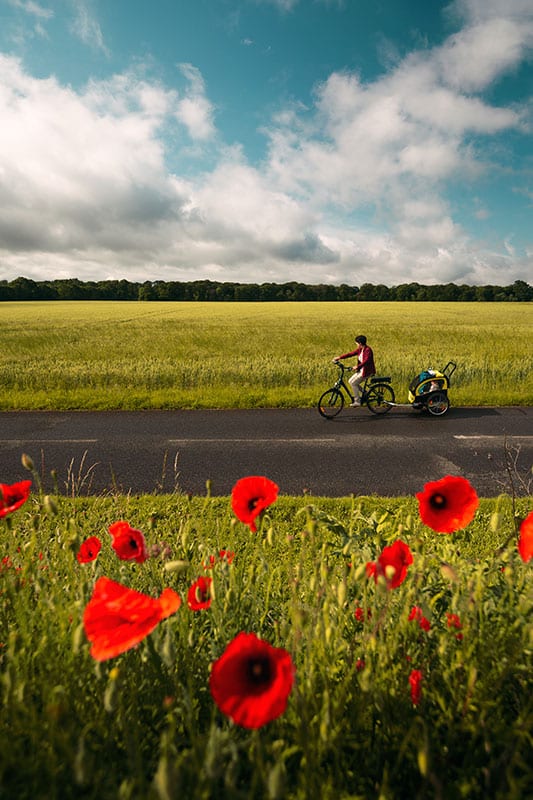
(325, 141)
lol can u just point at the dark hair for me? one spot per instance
(360, 339)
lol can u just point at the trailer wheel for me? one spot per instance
(438, 403)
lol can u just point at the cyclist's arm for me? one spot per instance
(345, 355)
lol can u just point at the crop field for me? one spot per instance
(168, 647)
(106, 355)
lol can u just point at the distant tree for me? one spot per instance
(407, 291)
(520, 291)
(485, 293)
(292, 291)
(25, 289)
(366, 292)
(6, 291)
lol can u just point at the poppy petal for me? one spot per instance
(252, 680)
(447, 505)
(128, 543)
(117, 618)
(12, 496)
(251, 496)
(525, 539)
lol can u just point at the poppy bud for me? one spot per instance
(176, 566)
(27, 462)
(50, 506)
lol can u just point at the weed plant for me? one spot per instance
(105, 355)
(144, 724)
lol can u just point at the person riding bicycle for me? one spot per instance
(365, 367)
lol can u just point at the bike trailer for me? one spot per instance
(430, 380)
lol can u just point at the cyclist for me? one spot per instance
(365, 367)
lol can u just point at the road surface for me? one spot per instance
(163, 451)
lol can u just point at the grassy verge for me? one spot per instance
(144, 725)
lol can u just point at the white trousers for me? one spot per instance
(355, 380)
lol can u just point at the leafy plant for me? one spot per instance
(418, 688)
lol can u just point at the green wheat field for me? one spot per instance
(106, 355)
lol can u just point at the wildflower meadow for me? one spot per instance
(265, 646)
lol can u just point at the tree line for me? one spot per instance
(205, 290)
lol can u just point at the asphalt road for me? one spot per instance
(149, 451)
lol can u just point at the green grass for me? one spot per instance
(105, 355)
(144, 725)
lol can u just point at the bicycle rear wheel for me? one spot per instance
(331, 403)
(380, 396)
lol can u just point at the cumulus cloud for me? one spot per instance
(80, 171)
(405, 136)
(194, 109)
(83, 177)
(352, 188)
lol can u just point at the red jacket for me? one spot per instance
(365, 357)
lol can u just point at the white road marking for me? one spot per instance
(491, 436)
(18, 442)
(250, 440)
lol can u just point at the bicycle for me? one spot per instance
(376, 393)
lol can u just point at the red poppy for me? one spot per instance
(417, 615)
(251, 496)
(12, 496)
(415, 682)
(223, 555)
(128, 543)
(453, 621)
(360, 614)
(199, 596)
(525, 540)
(392, 564)
(89, 550)
(448, 504)
(251, 681)
(117, 618)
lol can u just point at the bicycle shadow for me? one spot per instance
(408, 413)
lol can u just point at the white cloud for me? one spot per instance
(29, 23)
(475, 56)
(194, 110)
(283, 5)
(475, 11)
(76, 173)
(86, 26)
(288, 5)
(33, 8)
(352, 188)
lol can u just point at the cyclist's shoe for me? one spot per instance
(355, 404)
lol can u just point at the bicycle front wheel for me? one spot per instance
(380, 397)
(331, 403)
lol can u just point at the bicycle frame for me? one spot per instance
(340, 383)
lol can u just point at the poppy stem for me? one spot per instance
(259, 777)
